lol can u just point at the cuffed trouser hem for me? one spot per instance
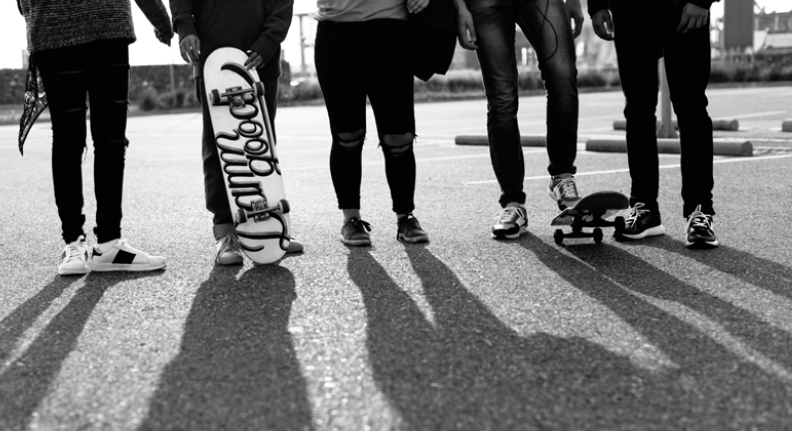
(223, 230)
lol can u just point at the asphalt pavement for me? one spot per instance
(465, 333)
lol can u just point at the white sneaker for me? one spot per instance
(74, 258)
(123, 257)
(229, 251)
(564, 190)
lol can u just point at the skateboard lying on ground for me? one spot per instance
(591, 211)
(248, 155)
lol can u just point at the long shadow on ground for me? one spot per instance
(237, 368)
(713, 387)
(465, 369)
(764, 273)
(27, 379)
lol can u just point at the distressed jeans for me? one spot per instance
(546, 24)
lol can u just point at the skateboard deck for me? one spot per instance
(248, 155)
(592, 211)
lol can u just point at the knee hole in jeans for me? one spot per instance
(350, 141)
(398, 145)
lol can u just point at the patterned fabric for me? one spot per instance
(53, 24)
(35, 102)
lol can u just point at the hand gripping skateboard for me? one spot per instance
(591, 211)
(248, 155)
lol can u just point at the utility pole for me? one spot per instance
(303, 44)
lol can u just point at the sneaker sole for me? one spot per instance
(652, 231)
(356, 242)
(417, 239)
(522, 231)
(700, 243)
(72, 271)
(121, 267)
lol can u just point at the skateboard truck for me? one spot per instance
(587, 220)
(237, 97)
(260, 211)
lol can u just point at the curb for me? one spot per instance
(721, 147)
(526, 141)
(720, 125)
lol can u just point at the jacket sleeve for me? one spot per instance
(183, 18)
(595, 6)
(157, 14)
(275, 28)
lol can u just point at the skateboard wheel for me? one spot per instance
(214, 97)
(284, 206)
(241, 216)
(619, 226)
(258, 89)
(597, 235)
(558, 236)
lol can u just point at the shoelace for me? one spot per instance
(634, 213)
(408, 222)
(699, 219)
(568, 189)
(507, 215)
(74, 251)
(357, 224)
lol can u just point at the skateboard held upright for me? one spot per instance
(248, 155)
(591, 211)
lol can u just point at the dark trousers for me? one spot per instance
(546, 24)
(100, 70)
(359, 59)
(643, 32)
(214, 185)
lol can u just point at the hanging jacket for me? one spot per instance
(433, 38)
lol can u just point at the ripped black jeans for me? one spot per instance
(370, 58)
(99, 70)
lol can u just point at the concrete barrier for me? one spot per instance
(786, 126)
(527, 141)
(721, 147)
(720, 125)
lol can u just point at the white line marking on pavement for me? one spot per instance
(757, 114)
(617, 171)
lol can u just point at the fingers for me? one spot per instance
(254, 61)
(603, 26)
(190, 48)
(416, 6)
(578, 25)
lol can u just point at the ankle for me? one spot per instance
(350, 214)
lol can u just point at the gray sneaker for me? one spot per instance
(355, 232)
(229, 251)
(563, 189)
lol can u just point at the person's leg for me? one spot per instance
(65, 77)
(687, 61)
(108, 95)
(214, 185)
(495, 30)
(546, 24)
(638, 49)
(390, 90)
(340, 70)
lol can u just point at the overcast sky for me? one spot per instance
(147, 50)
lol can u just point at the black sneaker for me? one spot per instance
(642, 222)
(699, 230)
(512, 222)
(355, 232)
(409, 230)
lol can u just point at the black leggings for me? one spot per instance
(100, 70)
(359, 59)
